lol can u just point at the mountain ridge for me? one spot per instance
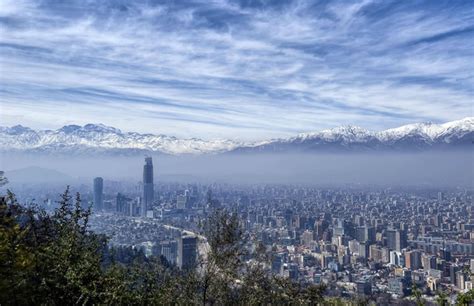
(99, 138)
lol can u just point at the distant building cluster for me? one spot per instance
(356, 240)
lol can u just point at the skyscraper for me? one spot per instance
(366, 234)
(148, 190)
(396, 239)
(98, 193)
(187, 252)
(122, 204)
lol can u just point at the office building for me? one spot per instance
(366, 234)
(187, 252)
(98, 193)
(428, 262)
(453, 269)
(168, 249)
(460, 280)
(397, 259)
(396, 239)
(148, 189)
(122, 204)
(363, 250)
(413, 260)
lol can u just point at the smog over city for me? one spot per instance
(236, 152)
(430, 169)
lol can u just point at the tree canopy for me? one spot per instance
(55, 259)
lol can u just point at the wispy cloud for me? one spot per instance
(238, 69)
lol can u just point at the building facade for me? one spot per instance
(148, 188)
(187, 252)
(98, 193)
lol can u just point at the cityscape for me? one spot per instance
(357, 240)
(237, 152)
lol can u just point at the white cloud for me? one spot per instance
(220, 70)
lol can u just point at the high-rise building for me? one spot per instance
(320, 227)
(366, 234)
(460, 280)
(396, 258)
(391, 235)
(148, 189)
(396, 239)
(364, 249)
(98, 193)
(122, 204)
(453, 269)
(428, 262)
(168, 250)
(413, 260)
(187, 252)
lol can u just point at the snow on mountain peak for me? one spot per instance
(416, 136)
(428, 130)
(349, 132)
(101, 137)
(345, 133)
(462, 124)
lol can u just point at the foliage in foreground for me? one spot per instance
(55, 259)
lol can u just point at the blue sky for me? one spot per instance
(235, 69)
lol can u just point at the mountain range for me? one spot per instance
(98, 138)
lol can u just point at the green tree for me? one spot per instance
(16, 260)
(49, 259)
(54, 259)
(219, 267)
(416, 293)
(465, 299)
(442, 298)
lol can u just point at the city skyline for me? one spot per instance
(229, 69)
(236, 152)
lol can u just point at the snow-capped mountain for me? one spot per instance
(98, 138)
(92, 138)
(412, 137)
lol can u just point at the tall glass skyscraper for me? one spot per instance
(98, 193)
(148, 189)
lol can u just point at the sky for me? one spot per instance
(243, 69)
